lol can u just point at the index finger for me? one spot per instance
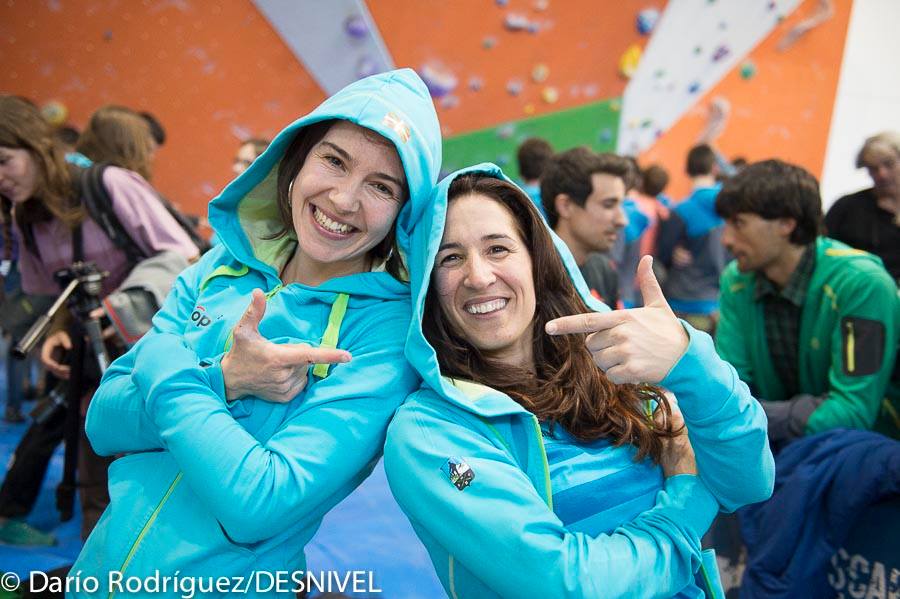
(590, 322)
(304, 354)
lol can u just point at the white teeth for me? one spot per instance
(329, 224)
(487, 307)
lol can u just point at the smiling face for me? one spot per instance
(484, 281)
(18, 174)
(344, 200)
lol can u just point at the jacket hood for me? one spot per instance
(425, 241)
(397, 106)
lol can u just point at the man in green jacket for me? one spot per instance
(810, 324)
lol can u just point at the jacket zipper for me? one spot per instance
(146, 527)
(851, 348)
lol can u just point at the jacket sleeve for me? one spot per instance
(502, 531)
(731, 337)
(863, 350)
(726, 425)
(116, 419)
(258, 489)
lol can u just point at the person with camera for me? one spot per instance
(42, 199)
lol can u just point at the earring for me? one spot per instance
(290, 198)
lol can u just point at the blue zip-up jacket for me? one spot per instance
(218, 488)
(694, 224)
(499, 536)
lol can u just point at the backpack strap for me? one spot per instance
(99, 206)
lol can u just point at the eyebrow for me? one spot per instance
(343, 153)
(454, 245)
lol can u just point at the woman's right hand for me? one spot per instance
(52, 351)
(273, 372)
(678, 455)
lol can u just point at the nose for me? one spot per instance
(479, 273)
(727, 236)
(344, 197)
(621, 219)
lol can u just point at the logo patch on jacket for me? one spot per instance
(459, 473)
(863, 345)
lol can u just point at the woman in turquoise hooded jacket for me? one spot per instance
(217, 483)
(572, 505)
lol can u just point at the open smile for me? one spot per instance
(329, 226)
(482, 307)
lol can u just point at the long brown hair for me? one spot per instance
(119, 136)
(567, 387)
(291, 163)
(55, 192)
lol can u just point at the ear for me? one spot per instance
(563, 204)
(786, 226)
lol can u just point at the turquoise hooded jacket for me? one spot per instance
(217, 488)
(499, 536)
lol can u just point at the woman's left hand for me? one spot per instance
(639, 345)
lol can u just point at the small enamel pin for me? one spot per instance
(459, 473)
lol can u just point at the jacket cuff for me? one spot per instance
(695, 505)
(701, 380)
(213, 369)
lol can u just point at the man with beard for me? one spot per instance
(809, 323)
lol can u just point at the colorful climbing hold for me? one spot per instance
(720, 53)
(356, 27)
(646, 20)
(514, 87)
(539, 73)
(439, 80)
(550, 95)
(748, 70)
(55, 113)
(628, 63)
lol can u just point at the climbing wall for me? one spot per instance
(633, 75)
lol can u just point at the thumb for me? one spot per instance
(249, 322)
(650, 289)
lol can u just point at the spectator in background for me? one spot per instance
(582, 194)
(809, 323)
(157, 132)
(692, 283)
(119, 136)
(67, 137)
(645, 206)
(870, 219)
(533, 156)
(248, 151)
(42, 203)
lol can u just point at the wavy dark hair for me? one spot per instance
(566, 386)
(56, 187)
(291, 163)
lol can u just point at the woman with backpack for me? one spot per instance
(41, 197)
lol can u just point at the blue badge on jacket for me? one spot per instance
(459, 473)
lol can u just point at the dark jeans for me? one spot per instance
(29, 466)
